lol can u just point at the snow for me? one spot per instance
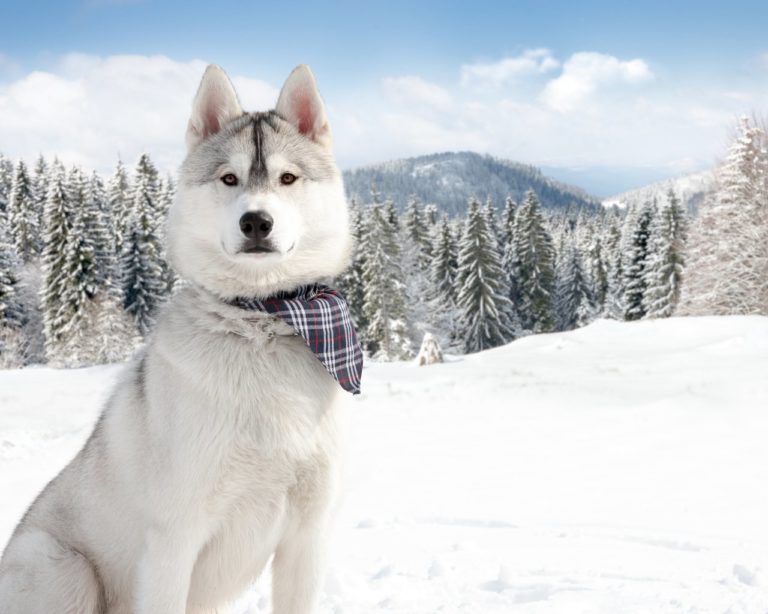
(622, 467)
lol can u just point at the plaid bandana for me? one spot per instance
(321, 316)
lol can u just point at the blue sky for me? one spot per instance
(606, 94)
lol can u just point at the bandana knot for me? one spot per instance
(320, 315)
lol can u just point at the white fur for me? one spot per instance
(300, 103)
(221, 445)
(215, 104)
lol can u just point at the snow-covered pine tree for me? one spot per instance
(77, 345)
(575, 307)
(350, 282)
(727, 269)
(386, 336)
(112, 336)
(144, 275)
(21, 214)
(614, 307)
(417, 231)
(664, 276)
(507, 249)
(636, 254)
(11, 311)
(493, 224)
(530, 257)
(596, 270)
(416, 255)
(40, 179)
(6, 180)
(431, 215)
(390, 213)
(56, 236)
(97, 206)
(443, 289)
(507, 225)
(486, 314)
(167, 194)
(119, 207)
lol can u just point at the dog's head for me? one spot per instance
(260, 204)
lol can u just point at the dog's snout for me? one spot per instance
(256, 224)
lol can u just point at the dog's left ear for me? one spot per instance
(301, 105)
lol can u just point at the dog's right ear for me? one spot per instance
(215, 104)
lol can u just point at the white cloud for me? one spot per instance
(410, 89)
(531, 62)
(90, 109)
(584, 72)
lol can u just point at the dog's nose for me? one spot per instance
(256, 224)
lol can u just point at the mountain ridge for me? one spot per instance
(450, 179)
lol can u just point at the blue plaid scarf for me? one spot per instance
(321, 316)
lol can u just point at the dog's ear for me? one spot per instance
(215, 104)
(300, 103)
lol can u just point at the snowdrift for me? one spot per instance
(622, 467)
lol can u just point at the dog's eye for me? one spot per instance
(229, 179)
(287, 178)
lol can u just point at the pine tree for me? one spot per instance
(506, 231)
(350, 282)
(417, 233)
(119, 208)
(57, 233)
(167, 193)
(77, 344)
(11, 310)
(443, 289)
(493, 225)
(665, 272)
(727, 271)
(530, 257)
(636, 255)
(486, 313)
(21, 214)
(416, 255)
(390, 213)
(386, 336)
(444, 264)
(40, 181)
(144, 275)
(431, 215)
(575, 306)
(6, 180)
(97, 206)
(596, 270)
(614, 300)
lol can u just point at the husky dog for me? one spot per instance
(220, 446)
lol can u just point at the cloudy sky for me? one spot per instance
(608, 95)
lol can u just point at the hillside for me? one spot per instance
(450, 179)
(617, 468)
(690, 189)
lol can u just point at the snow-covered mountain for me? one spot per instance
(450, 179)
(690, 189)
(620, 467)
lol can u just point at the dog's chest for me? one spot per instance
(255, 388)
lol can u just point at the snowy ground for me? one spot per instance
(621, 468)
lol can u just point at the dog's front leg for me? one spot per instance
(165, 572)
(297, 571)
